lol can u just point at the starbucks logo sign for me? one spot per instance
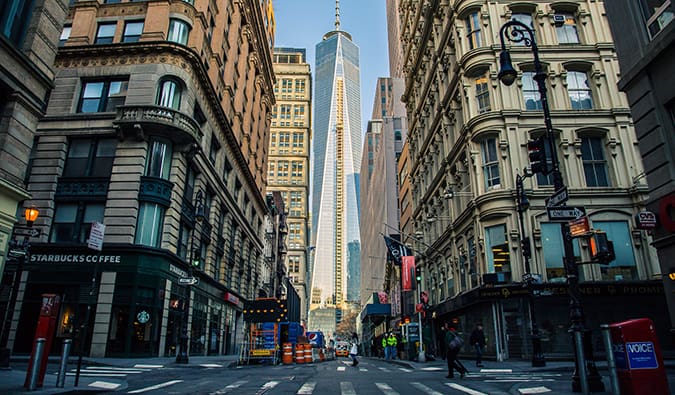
(143, 316)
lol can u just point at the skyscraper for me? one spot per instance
(337, 153)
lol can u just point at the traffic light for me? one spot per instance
(418, 273)
(525, 245)
(602, 250)
(536, 151)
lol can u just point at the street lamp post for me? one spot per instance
(182, 356)
(523, 204)
(517, 32)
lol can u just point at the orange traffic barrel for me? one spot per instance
(299, 353)
(308, 353)
(322, 356)
(287, 354)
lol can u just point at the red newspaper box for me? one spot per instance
(638, 358)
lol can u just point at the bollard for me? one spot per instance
(581, 362)
(611, 363)
(35, 369)
(61, 378)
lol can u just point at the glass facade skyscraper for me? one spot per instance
(335, 183)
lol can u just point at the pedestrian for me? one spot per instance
(478, 341)
(392, 342)
(353, 352)
(453, 343)
(384, 346)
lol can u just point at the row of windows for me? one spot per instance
(285, 139)
(578, 91)
(284, 111)
(179, 32)
(290, 85)
(282, 167)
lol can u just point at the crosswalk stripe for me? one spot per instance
(211, 365)
(134, 369)
(383, 369)
(405, 370)
(229, 387)
(307, 388)
(386, 389)
(98, 374)
(270, 385)
(516, 380)
(157, 386)
(425, 389)
(140, 365)
(346, 388)
(341, 368)
(533, 390)
(363, 370)
(496, 370)
(465, 389)
(104, 385)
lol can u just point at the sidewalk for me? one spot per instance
(12, 380)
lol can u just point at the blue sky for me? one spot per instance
(302, 24)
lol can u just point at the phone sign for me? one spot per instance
(641, 355)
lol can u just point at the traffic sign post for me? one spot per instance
(188, 281)
(25, 231)
(580, 227)
(565, 213)
(558, 198)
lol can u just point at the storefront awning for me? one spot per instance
(374, 309)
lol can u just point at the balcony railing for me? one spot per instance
(166, 122)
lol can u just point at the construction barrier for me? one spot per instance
(299, 353)
(287, 356)
(308, 353)
(322, 356)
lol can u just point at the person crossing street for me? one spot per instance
(477, 340)
(392, 342)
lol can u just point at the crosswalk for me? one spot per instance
(107, 373)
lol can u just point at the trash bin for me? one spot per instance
(638, 358)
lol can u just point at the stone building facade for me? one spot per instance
(467, 142)
(157, 128)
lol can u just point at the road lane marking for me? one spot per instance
(405, 370)
(99, 374)
(307, 388)
(384, 369)
(464, 389)
(516, 380)
(346, 388)
(154, 387)
(533, 390)
(363, 370)
(341, 368)
(140, 365)
(116, 369)
(210, 365)
(269, 385)
(104, 385)
(425, 389)
(432, 369)
(230, 387)
(496, 370)
(386, 389)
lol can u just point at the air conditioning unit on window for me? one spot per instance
(559, 19)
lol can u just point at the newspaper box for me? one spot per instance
(638, 357)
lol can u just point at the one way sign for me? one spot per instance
(565, 213)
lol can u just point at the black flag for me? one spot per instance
(395, 247)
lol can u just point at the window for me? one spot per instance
(159, 159)
(213, 151)
(65, 35)
(554, 251)
(169, 94)
(658, 14)
(102, 96)
(72, 221)
(300, 86)
(531, 91)
(178, 31)
(105, 33)
(473, 30)
(579, 90)
(189, 190)
(15, 15)
(286, 85)
(132, 31)
(623, 267)
(524, 18)
(183, 240)
(567, 32)
(593, 158)
(150, 223)
(488, 149)
(90, 158)
(482, 94)
(498, 255)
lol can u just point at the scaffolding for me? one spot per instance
(261, 344)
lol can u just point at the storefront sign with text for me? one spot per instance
(74, 258)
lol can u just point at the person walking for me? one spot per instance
(392, 342)
(477, 340)
(453, 343)
(385, 348)
(353, 352)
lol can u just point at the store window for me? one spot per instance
(90, 158)
(554, 251)
(179, 31)
(624, 266)
(102, 95)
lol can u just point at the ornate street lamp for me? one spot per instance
(182, 356)
(517, 32)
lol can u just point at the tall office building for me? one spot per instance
(337, 153)
(288, 169)
(156, 127)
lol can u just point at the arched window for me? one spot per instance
(579, 90)
(169, 93)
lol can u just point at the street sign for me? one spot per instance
(580, 227)
(95, 241)
(28, 232)
(565, 213)
(188, 281)
(559, 197)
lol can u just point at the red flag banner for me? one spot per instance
(408, 267)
